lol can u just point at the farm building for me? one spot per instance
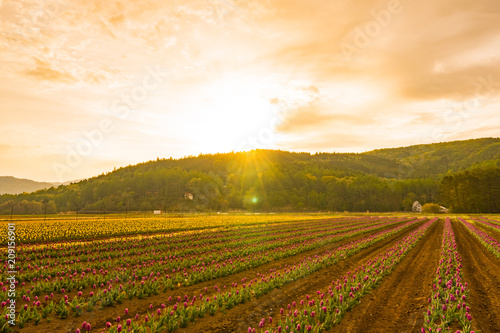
(416, 207)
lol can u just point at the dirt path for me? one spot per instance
(247, 315)
(397, 305)
(482, 273)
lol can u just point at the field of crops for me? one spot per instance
(269, 273)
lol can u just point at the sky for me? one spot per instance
(87, 85)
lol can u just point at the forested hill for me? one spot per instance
(269, 180)
(435, 159)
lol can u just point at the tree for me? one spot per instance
(431, 208)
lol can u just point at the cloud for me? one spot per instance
(334, 141)
(5, 148)
(43, 71)
(314, 117)
(442, 58)
(65, 62)
(481, 132)
(421, 118)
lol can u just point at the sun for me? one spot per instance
(232, 111)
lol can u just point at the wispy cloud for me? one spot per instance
(43, 71)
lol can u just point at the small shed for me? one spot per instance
(443, 210)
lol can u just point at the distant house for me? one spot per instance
(157, 212)
(443, 210)
(416, 207)
(188, 196)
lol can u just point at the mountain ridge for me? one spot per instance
(13, 185)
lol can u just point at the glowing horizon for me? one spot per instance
(88, 86)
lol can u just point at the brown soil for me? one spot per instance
(399, 303)
(98, 318)
(247, 315)
(481, 271)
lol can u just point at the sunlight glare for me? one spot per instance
(233, 110)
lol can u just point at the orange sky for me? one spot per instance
(89, 85)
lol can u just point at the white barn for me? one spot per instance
(416, 207)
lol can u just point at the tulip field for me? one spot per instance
(253, 273)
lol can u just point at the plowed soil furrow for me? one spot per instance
(398, 304)
(481, 271)
(98, 318)
(247, 315)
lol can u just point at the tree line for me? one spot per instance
(472, 191)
